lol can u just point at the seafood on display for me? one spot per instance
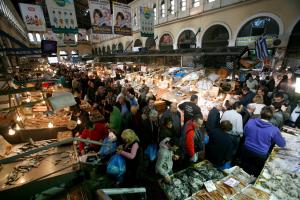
(191, 180)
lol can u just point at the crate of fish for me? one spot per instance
(189, 181)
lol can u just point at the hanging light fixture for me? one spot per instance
(17, 127)
(50, 125)
(11, 131)
(78, 121)
(19, 118)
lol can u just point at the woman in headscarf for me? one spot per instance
(132, 152)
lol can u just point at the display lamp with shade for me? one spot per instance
(11, 131)
(297, 84)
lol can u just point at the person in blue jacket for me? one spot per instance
(260, 136)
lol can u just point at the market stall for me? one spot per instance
(280, 176)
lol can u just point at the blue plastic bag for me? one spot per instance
(151, 152)
(108, 147)
(116, 166)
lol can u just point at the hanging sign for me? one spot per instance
(147, 22)
(62, 16)
(122, 19)
(33, 17)
(100, 16)
(82, 35)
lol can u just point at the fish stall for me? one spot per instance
(280, 176)
(36, 165)
(202, 181)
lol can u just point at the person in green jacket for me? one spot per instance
(164, 163)
(115, 120)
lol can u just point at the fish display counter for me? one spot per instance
(280, 176)
(44, 163)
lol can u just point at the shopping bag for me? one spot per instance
(151, 152)
(107, 148)
(116, 166)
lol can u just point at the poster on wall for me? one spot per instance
(122, 19)
(49, 35)
(33, 17)
(147, 22)
(62, 16)
(82, 35)
(100, 16)
(69, 39)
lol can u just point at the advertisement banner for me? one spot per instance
(100, 16)
(69, 39)
(33, 17)
(82, 35)
(62, 16)
(122, 19)
(49, 35)
(147, 22)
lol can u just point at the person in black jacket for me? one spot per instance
(247, 97)
(219, 149)
(247, 113)
(190, 109)
(213, 119)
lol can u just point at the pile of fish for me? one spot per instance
(189, 181)
(33, 145)
(23, 168)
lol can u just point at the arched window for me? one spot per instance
(38, 37)
(163, 9)
(138, 43)
(172, 7)
(186, 40)
(134, 20)
(215, 36)
(154, 10)
(120, 47)
(259, 26)
(30, 36)
(150, 43)
(166, 42)
(195, 3)
(182, 5)
(114, 48)
(256, 27)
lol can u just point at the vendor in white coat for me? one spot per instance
(164, 163)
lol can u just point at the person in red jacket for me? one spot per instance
(194, 139)
(93, 131)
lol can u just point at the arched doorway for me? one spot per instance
(108, 49)
(99, 51)
(215, 36)
(128, 46)
(103, 50)
(120, 47)
(166, 42)
(293, 48)
(114, 48)
(150, 43)
(186, 40)
(255, 28)
(138, 43)
(93, 51)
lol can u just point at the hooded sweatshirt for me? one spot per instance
(260, 135)
(164, 163)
